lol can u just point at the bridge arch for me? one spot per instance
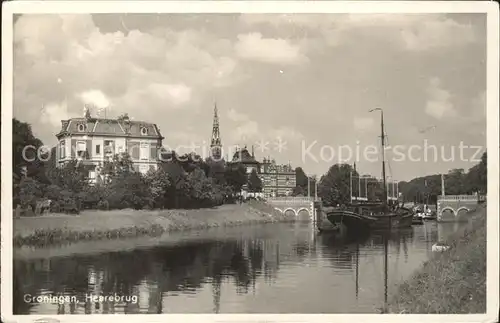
(460, 209)
(308, 213)
(448, 208)
(278, 209)
(304, 209)
(289, 209)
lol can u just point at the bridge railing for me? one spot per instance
(291, 199)
(458, 198)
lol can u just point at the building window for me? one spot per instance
(144, 151)
(81, 127)
(62, 149)
(144, 131)
(98, 149)
(81, 149)
(109, 147)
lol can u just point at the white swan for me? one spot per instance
(440, 247)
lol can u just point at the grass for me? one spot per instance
(452, 282)
(116, 224)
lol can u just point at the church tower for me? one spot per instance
(215, 144)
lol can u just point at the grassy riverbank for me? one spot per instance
(98, 225)
(452, 282)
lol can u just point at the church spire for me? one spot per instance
(215, 144)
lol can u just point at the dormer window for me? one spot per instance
(81, 127)
(144, 131)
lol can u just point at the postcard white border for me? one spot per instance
(488, 7)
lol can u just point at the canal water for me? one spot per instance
(274, 268)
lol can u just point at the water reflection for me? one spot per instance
(279, 269)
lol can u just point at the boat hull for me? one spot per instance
(357, 221)
(417, 220)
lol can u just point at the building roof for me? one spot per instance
(244, 157)
(109, 127)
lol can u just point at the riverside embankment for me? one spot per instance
(99, 225)
(451, 282)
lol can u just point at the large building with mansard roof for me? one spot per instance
(94, 140)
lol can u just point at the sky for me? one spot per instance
(297, 87)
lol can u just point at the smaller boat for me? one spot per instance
(440, 247)
(417, 220)
(429, 216)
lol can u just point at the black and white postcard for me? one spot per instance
(250, 161)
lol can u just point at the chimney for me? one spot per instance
(86, 112)
(253, 155)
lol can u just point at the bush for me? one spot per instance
(55, 207)
(103, 205)
(69, 205)
(29, 193)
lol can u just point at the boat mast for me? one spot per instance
(386, 278)
(383, 153)
(384, 203)
(357, 270)
(350, 187)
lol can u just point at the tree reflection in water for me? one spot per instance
(157, 274)
(181, 268)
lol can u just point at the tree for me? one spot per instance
(334, 186)
(455, 182)
(127, 188)
(302, 186)
(476, 179)
(158, 182)
(254, 182)
(216, 169)
(29, 193)
(121, 164)
(199, 191)
(24, 149)
(72, 176)
(299, 191)
(300, 178)
(236, 177)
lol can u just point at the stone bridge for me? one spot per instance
(300, 206)
(450, 207)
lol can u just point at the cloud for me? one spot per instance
(234, 115)
(439, 103)
(170, 70)
(53, 113)
(176, 94)
(479, 104)
(138, 72)
(284, 132)
(413, 32)
(362, 123)
(248, 129)
(437, 33)
(244, 127)
(95, 97)
(269, 50)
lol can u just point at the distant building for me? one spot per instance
(94, 140)
(215, 142)
(277, 180)
(244, 158)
